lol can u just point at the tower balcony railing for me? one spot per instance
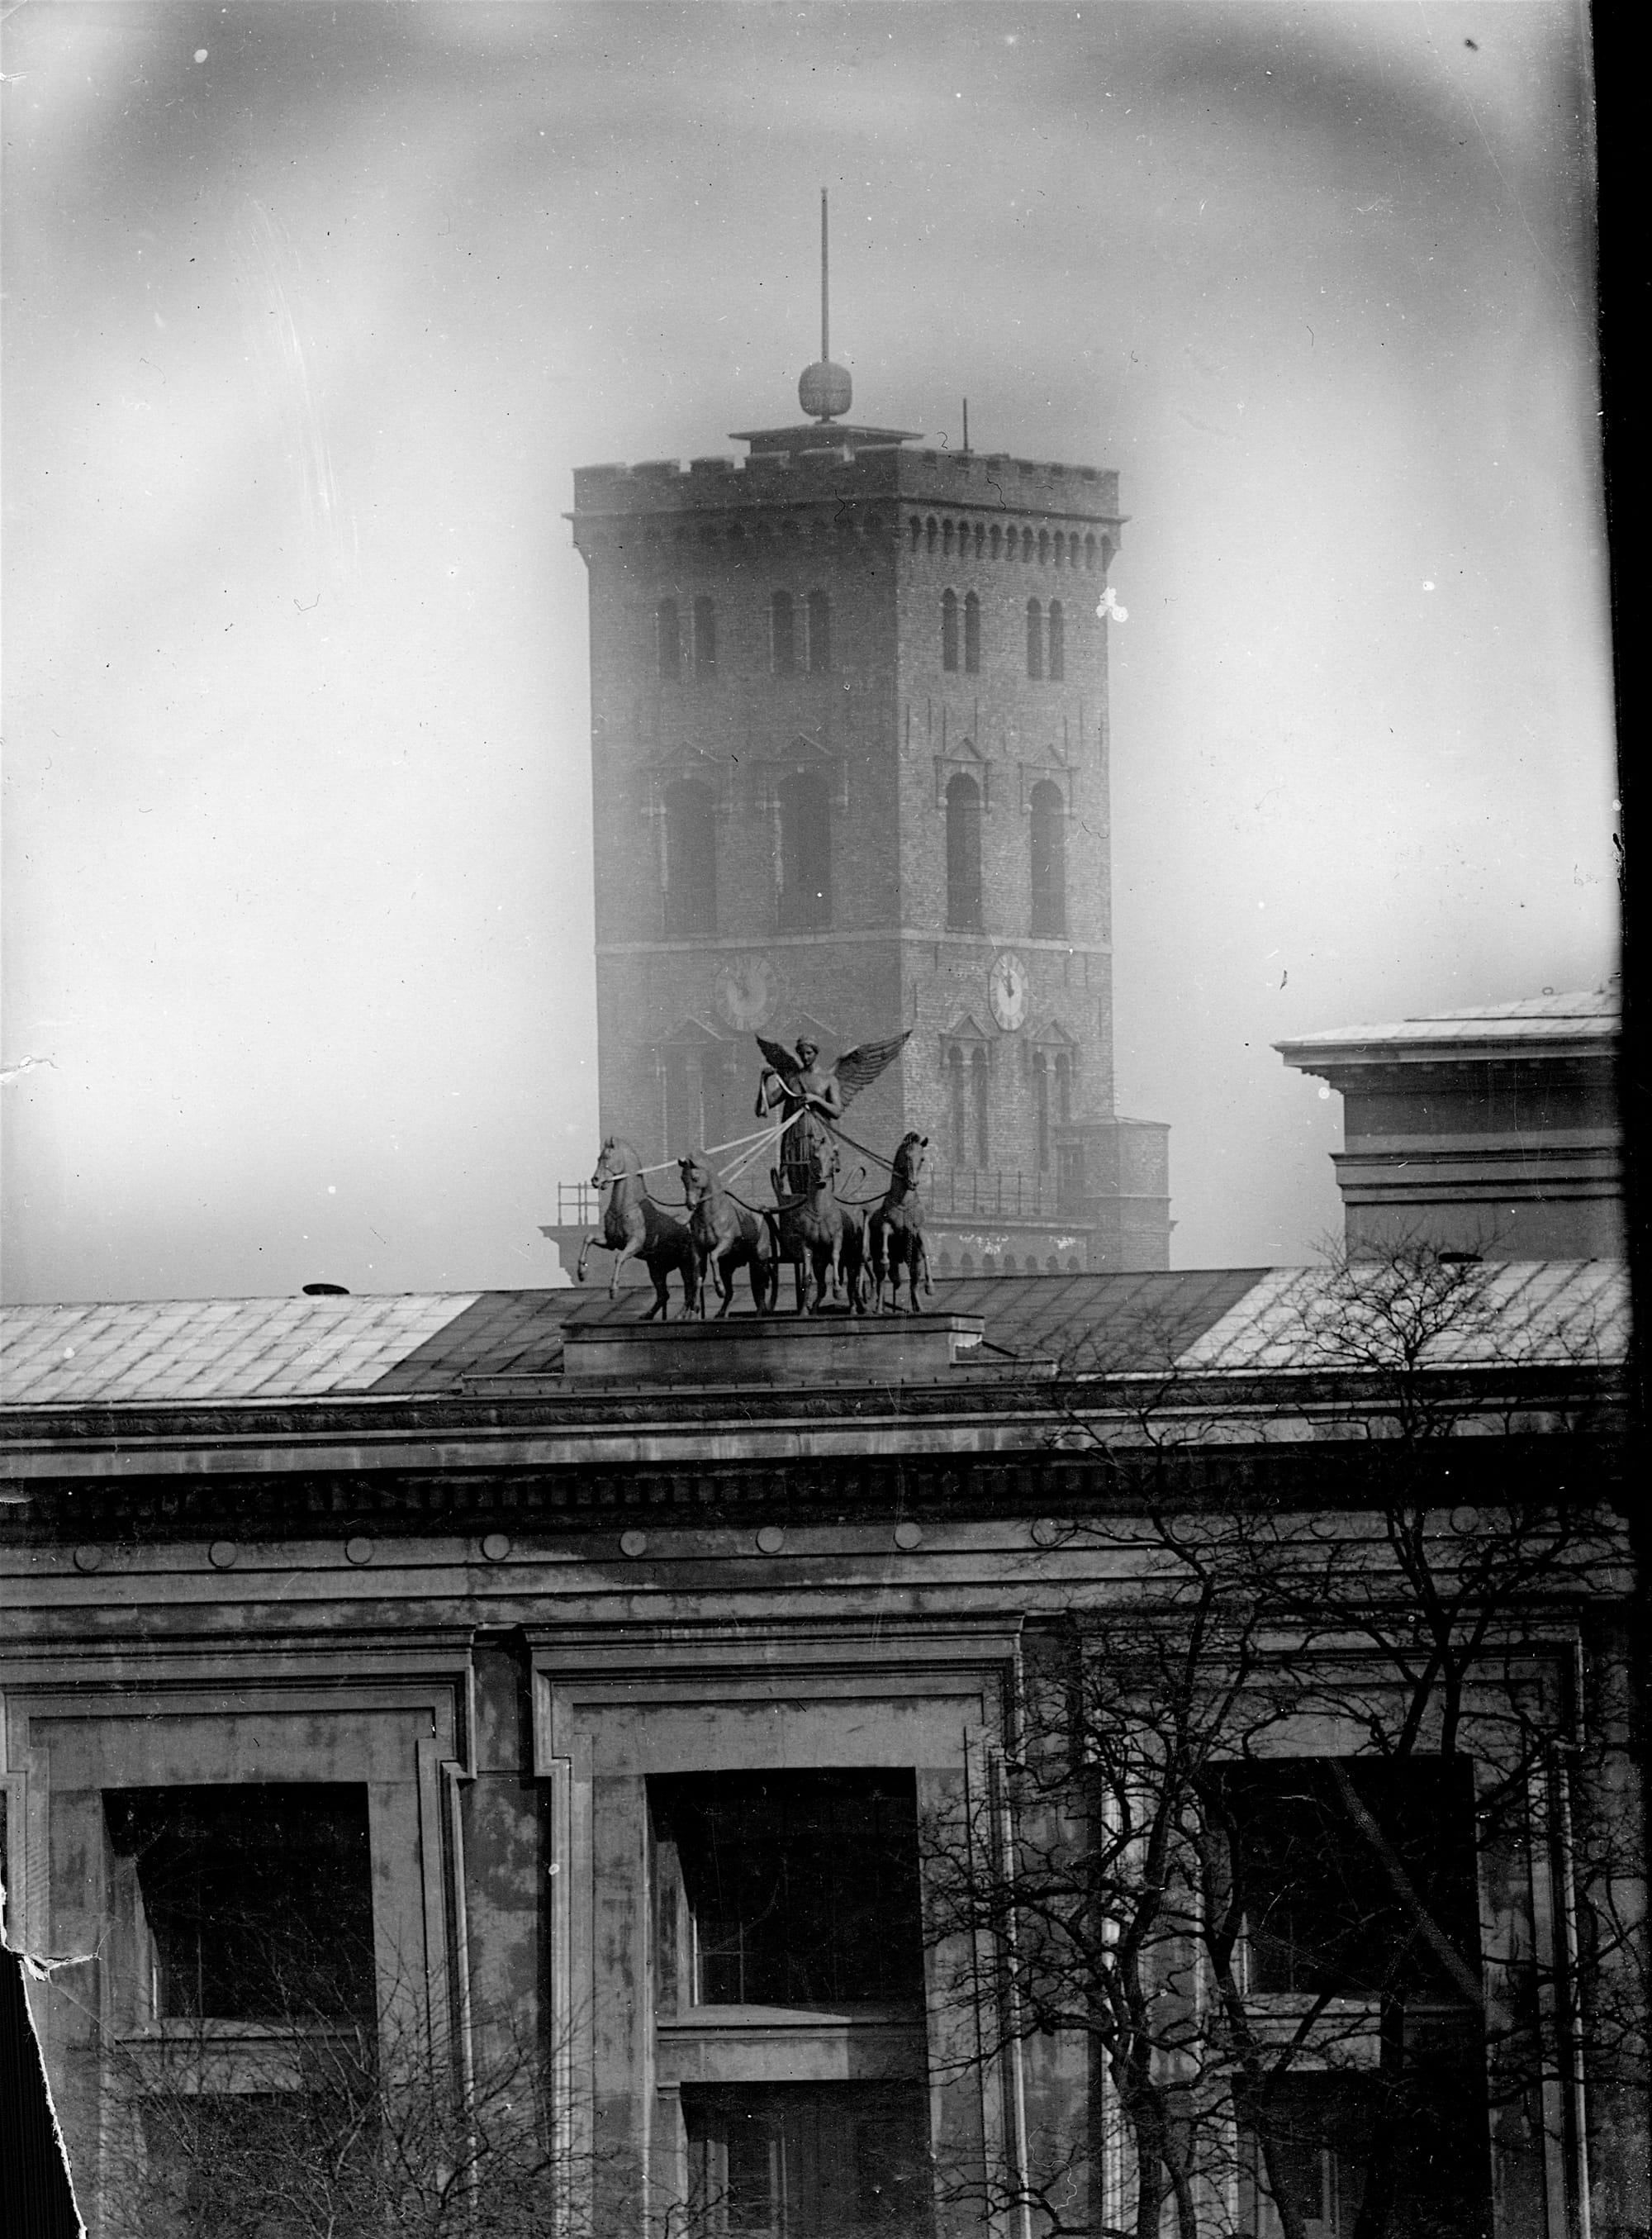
(952, 1193)
(996, 1193)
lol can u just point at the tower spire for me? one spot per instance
(825, 391)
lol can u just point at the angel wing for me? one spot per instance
(859, 1068)
(783, 1060)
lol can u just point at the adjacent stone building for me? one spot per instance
(402, 1694)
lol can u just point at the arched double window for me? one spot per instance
(782, 624)
(806, 853)
(705, 637)
(957, 1110)
(978, 1087)
(972, 635)
(691, 859)
(668, 641)
(1056, 667)
(948, 630)
(964, 855)
(1049, 852)
(820, 632)
(1035, 638)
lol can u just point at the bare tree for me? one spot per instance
(1258, 1868)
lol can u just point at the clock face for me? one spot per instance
(1008, 987)
(747, 990)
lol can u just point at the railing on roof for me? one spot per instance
(956, 1192)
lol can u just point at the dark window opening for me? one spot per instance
(1058, 663)
(977, 1085)
(972, 635)
(948, 630)
(946, 539)
(820, 633)
(801, 1888)
(1035, 639)
(1048, 842)
(1041, 1100)
(1325, 1911)
(783, 635)
(668, 640)
(705, 637)
(996, 540)
(963, 855)
(957, 1110)
(806, 853)
(811, 2161)
(257, 1899)
(691, 860)
(1064, 1088)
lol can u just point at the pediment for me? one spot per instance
(694, 761)
(1051, 1034)
(965, 1028)
(801, 751)
(692, 1034)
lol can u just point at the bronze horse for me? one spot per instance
(726, 1236)
(897, 1228)
(634, 1227)
(808, 1223)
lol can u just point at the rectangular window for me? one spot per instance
(1357, 1875)
(256, 1900)
(798, 1888)
(811, 2161)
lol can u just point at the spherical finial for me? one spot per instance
(825, 390)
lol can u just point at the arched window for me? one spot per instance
(977, 1086)
(806, 853)
(1049, 847)
(963, 855)
(958, 1108)
(1090, 552)
(1044, 547)
(691, 860)
(996, 539)
(1026, 545)
(973, 635)
(820, 632)
(947, 538)
(783, 635)
(1035, 638)
(931, 530)
(1057, 664)
(668, 640)
(948, 630)
(705, 637)
(1064, 1087)
(1041, 1104)
(980, 538)
(915, 530)
(1059, 553)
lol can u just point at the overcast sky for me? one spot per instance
(313, 309)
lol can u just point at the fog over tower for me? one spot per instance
(850, 744)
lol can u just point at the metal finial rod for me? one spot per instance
(826, 337)
(966, 424)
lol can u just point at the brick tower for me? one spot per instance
(850, 746)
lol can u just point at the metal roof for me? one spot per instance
(1590, 1017)
(243, 1350)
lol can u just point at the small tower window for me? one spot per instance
(1041, 1102)
(958, 1107)
(1059, 550)
(915, 530)
(691, 860)
(806, 853)
(1090, 552)
(1035, 638)
(932, 532)
(973, 635)
(1057, 668)
(1026, 545)
(820, 633)
(947, 538)
(996, 540)
(980, 538)
(1049, 852)
(964, 855)
(948, 630)
(1064, 1087)
(783, 635)
(705, 637)
(1044, 547)
(668, 640)
(978, 1089)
